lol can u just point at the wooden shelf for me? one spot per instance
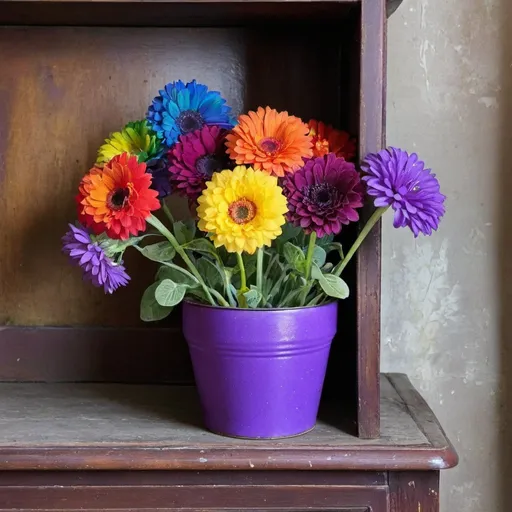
(158, 13)
(119, 427)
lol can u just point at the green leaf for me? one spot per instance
(202, 246)
(332, 285)
(150, 309)
(253, 298)
(325, 241)
(168, 293)
(211, 273)
(177, 274)
(294, 256)
(336, 246)
(319, 255)
(184, 231)
(290, 232)
(161, 251)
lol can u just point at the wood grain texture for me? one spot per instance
(414, 491)
(64, 90)
(129, 355)
(77, 427)
(196, 498)
(368, 256)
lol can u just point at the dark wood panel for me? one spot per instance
(172, 14)
(194, 497)
(153, 355)
(62, 91)
(414, 491)
(233, 478)
(368, 259)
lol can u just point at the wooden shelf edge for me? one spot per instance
(425, 419)
(254, 459)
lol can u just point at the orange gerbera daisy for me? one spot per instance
(269, 141)
(328, 140)
(116, 199)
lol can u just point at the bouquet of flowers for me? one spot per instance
(268, 194)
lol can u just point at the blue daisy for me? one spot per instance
(182, 109)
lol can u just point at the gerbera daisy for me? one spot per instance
(194, 159)
(324, 195)
(182, 109)
(242, 209)
(328, 140)
(88, 254)
(401, 181)
(117, 198)
(135, 138)
(270, 141)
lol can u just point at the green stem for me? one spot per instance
(259, 269)
(309, 255)
(377, 214)
(220, 298)
(243, 278)
(243, 282)
(167, 212)
(153, 221)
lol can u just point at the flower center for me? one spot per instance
(117, 199)
(208, 164)
(323, 195)
(242, 211)
(270, 146)
(190, 121)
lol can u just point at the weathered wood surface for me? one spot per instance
(89, 426)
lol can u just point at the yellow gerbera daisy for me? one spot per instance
(242, 209)
(135, 138)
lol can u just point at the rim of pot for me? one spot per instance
(224, 308)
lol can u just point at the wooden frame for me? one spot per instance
(92, 354)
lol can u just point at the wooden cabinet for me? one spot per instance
(72, 447)
(97, 411)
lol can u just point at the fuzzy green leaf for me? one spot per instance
(336, 246)
(294, 256)
(319, 255)
(211, 273)
(253, 298)
(332, 285)
(202, 246)
(150, 309)
(177, 274)
(184, 231)
(161, 251)
(168, 293)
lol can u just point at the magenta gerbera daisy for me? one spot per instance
(324, 195)
(195, 157)
(401, 181)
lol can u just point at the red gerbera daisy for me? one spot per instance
(328, 140)
(117, 199)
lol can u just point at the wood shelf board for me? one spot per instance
(109, 426)
(165, 13)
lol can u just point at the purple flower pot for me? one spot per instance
(259, 372)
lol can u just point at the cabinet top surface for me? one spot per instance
(109, 426)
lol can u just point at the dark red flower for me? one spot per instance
(324, 195)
